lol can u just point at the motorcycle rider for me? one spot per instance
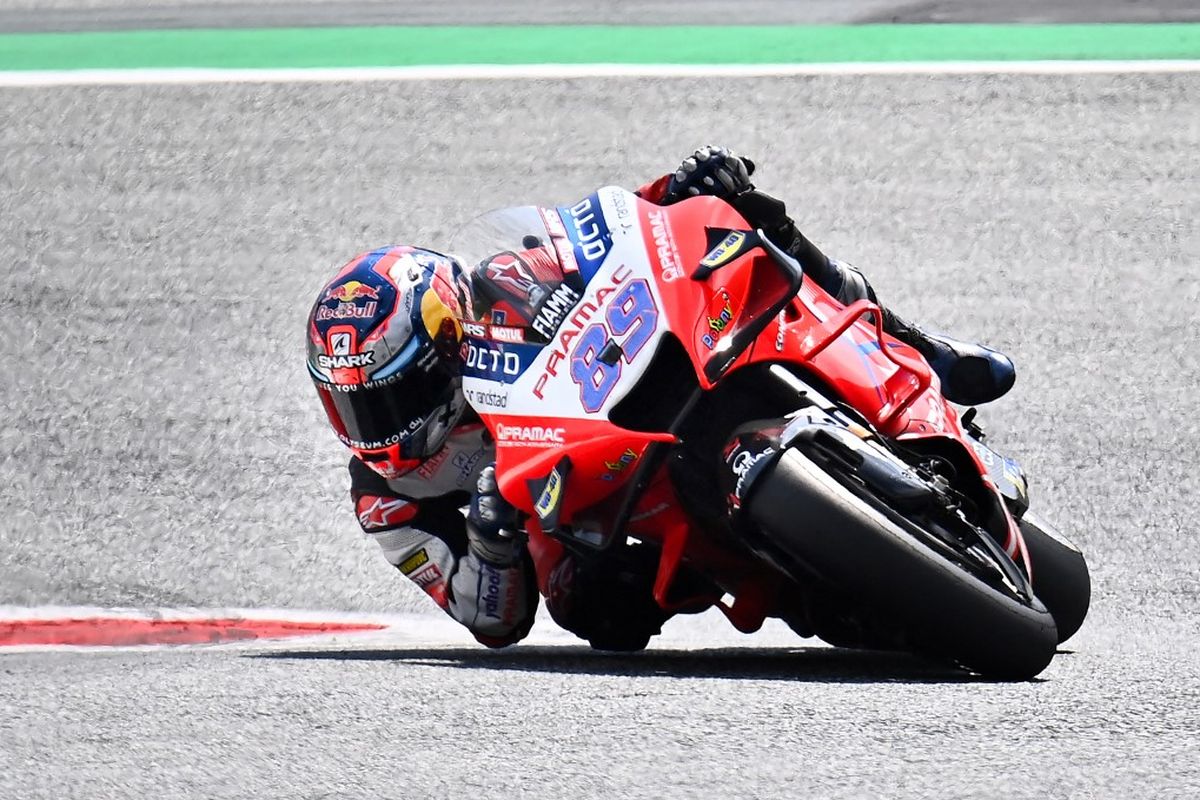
(385, 353)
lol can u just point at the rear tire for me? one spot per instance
(1060, 574)
(863, 547)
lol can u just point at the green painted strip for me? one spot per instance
(408, 46)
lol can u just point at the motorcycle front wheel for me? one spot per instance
(956, 601)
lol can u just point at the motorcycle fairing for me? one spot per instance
(641, 288)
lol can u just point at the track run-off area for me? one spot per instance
(171, 200)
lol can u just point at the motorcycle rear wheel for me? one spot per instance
(860, 544)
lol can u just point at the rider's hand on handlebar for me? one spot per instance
(493, 530)
(711, 170)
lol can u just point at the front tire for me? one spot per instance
(1060, 574)
(861, 545)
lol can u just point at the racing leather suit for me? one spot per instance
(416, 520)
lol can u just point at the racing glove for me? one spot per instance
(711, 170)
(493, 530)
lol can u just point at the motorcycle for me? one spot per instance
(675, 384)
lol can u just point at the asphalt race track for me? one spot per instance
(162, 245)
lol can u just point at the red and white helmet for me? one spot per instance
(384, 341)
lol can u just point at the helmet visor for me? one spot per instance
(382, 416)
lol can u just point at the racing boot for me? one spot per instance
(971, 374)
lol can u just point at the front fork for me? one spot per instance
(820, 423)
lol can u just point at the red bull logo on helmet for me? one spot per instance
(350, 291)
(345, 296)
(346, 311)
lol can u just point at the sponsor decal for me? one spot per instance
(741, 463)
(551, 494)
(502, 333)
(395, 438)
(499, 333)
(417, 559)
(465, 463)
(781, 321)
(500, 362)
(552, 312)
(728, 249)
(340, 344)
(381, 513)
(558, 237)
(430, 467)
(620, 204)
(428, 577)
(491, 591)
(720, 313)
(664, 246)
(486, 398)
(616, 467)
(554, 223)
(530, 435)
(588, 232)
(346, 362)
(344, 311)
(359, 298)
(350, 291)
(490, 362)
(507, 269)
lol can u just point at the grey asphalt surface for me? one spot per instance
(162, 246)
(79, 15)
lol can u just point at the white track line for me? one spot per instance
(108, 77)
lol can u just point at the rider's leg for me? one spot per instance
(971, 374)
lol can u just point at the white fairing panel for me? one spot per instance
(601, 237)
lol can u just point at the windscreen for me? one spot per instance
(522, 271)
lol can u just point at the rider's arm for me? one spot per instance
(761, 210)
(426, 539)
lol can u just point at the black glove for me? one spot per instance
(493, 530)
(711, 170)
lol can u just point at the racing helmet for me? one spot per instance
(384, 344)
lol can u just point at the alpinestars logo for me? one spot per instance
(509, 270)
(381, 513)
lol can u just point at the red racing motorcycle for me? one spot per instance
(664, 378)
